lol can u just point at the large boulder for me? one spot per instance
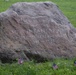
(36, 30)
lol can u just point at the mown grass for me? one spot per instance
(68, 7)
(65, 67)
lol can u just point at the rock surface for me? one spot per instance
(36, 30)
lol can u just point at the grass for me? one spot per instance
(65, 67)
(68, 7)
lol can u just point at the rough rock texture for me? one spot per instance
(35, 30)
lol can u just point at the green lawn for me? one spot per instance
(65, 67)
(68, 7)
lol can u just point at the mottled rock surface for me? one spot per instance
(35, 30)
